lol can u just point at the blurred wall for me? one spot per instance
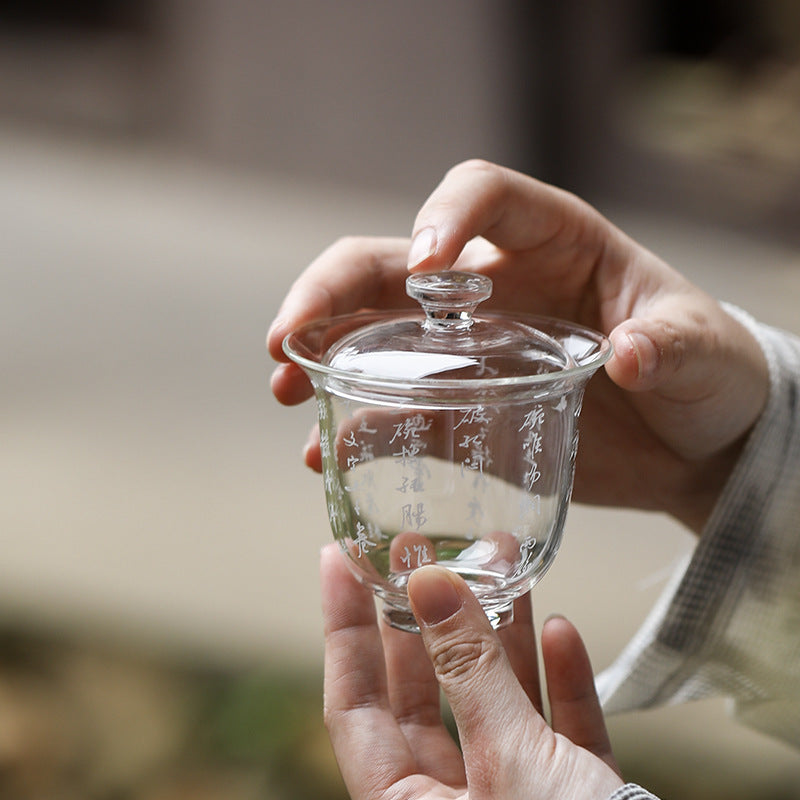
(688, 107)
(378, 93)
(384, 94)
(381, 94)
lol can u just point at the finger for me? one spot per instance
(290, 385)
(369, 745)
(519, 642)
(415, 699)
(352, 274)
(663, 334)
(688, 353)
(513, 211)
(648, 352)
(574, 706)
(312, 453)
(489, 705)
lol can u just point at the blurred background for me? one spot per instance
(166, 169)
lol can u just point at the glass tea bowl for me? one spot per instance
(448, 437)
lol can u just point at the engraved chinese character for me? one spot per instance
(527, 548)
(413, 516)
(410, 428)
(468, 441)
(475, 510)
(533, 419)
(335, 514)
(330, 482)
(532, 475)
(473, 416)
(408, 452)
(533, 443)
(416, 554)
(479, 456)
(361, 541)
(421, 551)
(364, 428)
(530, 504)
(411, 485)
(324, 444)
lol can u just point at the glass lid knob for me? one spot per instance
(448, 298)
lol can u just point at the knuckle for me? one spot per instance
(328, 716)
(473, 165)
(464, 660)
(347, 245)
(336, 720)
(672, 346)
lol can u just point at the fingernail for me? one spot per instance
(423, 246)
(646, 353)
(433, 595)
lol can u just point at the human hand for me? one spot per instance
(662, 428)
(382, 693)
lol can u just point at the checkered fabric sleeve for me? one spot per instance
(729, 623)
(630, 791)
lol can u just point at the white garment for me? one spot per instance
(630, 791)
(729, 623)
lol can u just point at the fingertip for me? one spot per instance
(312, 454)
(275, 335)
(290, 385)
(425, 267)
(563, 650)
(557, 627)
(635, 363)
(436, 247)
(344, 597)
(331, 571)
(435, 594)
(327, 553)
(423, 246)
(331, 564)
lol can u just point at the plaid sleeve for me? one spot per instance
(729, 623)
(630, 791)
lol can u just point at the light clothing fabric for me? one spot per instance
(729, 622)
(630, 791)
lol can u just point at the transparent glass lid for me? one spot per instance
(449, 342)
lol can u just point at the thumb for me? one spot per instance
(646, 353)
(489, 705)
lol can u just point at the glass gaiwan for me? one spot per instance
(448, 437)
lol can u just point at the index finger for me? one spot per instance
(513, 211)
